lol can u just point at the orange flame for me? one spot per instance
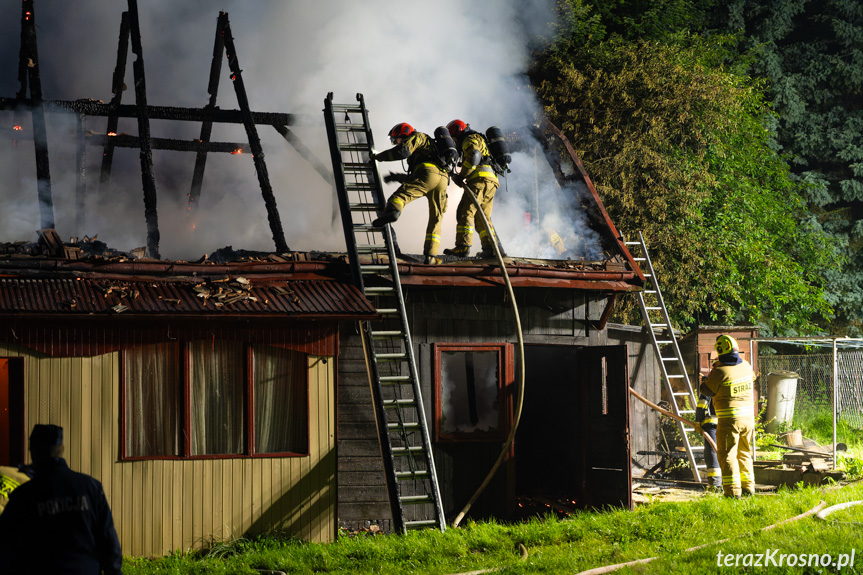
(112, 133)
(17, 128)
(237, 151)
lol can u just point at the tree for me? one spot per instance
(811, 53)
(677, 147)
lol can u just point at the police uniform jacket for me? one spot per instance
(59, 522)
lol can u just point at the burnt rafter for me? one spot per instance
(29, 100)
(29, 80)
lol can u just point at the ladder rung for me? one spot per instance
(374, 268)
(388, 311)
(398, 402)
(350, 127)
(693, 447)
(388, 333)
(680, 394)
(382, 289)
(391, 356)
(415, 499)
(652, 308)
(401, 451)
(669, 359)
(403, 425)
(367, 228)
(664, 341)
(686, 411)
(354, 147)
(403, 475)
(421, 523)
(394, 379)
(371, 249)
(640, 259)
(364, 207)
(632, 243)
(347, 108)
(674, 376)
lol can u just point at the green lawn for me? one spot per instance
(583, 541)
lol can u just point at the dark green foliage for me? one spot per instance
(811, 53)
(678, 147)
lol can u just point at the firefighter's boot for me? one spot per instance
(432, 260)
(463, 251)
(391, 214)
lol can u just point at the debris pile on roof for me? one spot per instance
(225, 291)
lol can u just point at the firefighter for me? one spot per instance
(705, 417)
(426, 177)
(730, 383)
(477, 174)
(10, 479)
(59, 521)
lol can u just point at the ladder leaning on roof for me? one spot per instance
(667, 351)
(405, 443)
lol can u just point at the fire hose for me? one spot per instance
(707, 438)
(520, 363)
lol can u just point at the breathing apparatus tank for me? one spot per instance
(498, 148)
(445, 146)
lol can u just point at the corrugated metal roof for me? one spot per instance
(302, 298)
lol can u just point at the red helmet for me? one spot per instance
(401, 131)
(456, 127)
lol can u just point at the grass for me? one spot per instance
(582, 541)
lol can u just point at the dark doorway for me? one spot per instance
(572, 445)
(12, 443)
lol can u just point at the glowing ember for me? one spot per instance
(18, 128)
(237, 151)
(112, 133)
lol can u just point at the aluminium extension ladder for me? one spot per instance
(667, 351)
(405, 443)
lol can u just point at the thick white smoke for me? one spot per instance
(424, 63)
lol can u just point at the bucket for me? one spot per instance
(781, 395)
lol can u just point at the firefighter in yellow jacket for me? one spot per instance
(425, 177)
(477, 175)
(730, 383)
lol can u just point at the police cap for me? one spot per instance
(45, 436)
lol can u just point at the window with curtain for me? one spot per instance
(153, 401)
(470, 381)
(281, 401)
(207, 388)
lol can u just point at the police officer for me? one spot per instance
(59, 521)
(426, 177)
(477, 175)
(730, 384)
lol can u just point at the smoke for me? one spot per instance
(424, 63)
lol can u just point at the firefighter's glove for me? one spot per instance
(698, 429)
(458, 180)
(372, 156)
(394, 177)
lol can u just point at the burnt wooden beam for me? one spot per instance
(254, 140)
(81, 170)
(207, 125)
(117, 87)
(128, 141)
(306, 153)
(28, 76)
(98, 108)
(146, 154)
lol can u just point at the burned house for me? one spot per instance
(245, 392)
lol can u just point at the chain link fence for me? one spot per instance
(815, 381)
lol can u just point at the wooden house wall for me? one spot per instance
(555, 317)
(645, 378)
(165, 505)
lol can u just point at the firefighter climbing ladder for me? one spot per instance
(405, 444)
(671, 365)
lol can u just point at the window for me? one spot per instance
(192, 400)
(471, 391)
